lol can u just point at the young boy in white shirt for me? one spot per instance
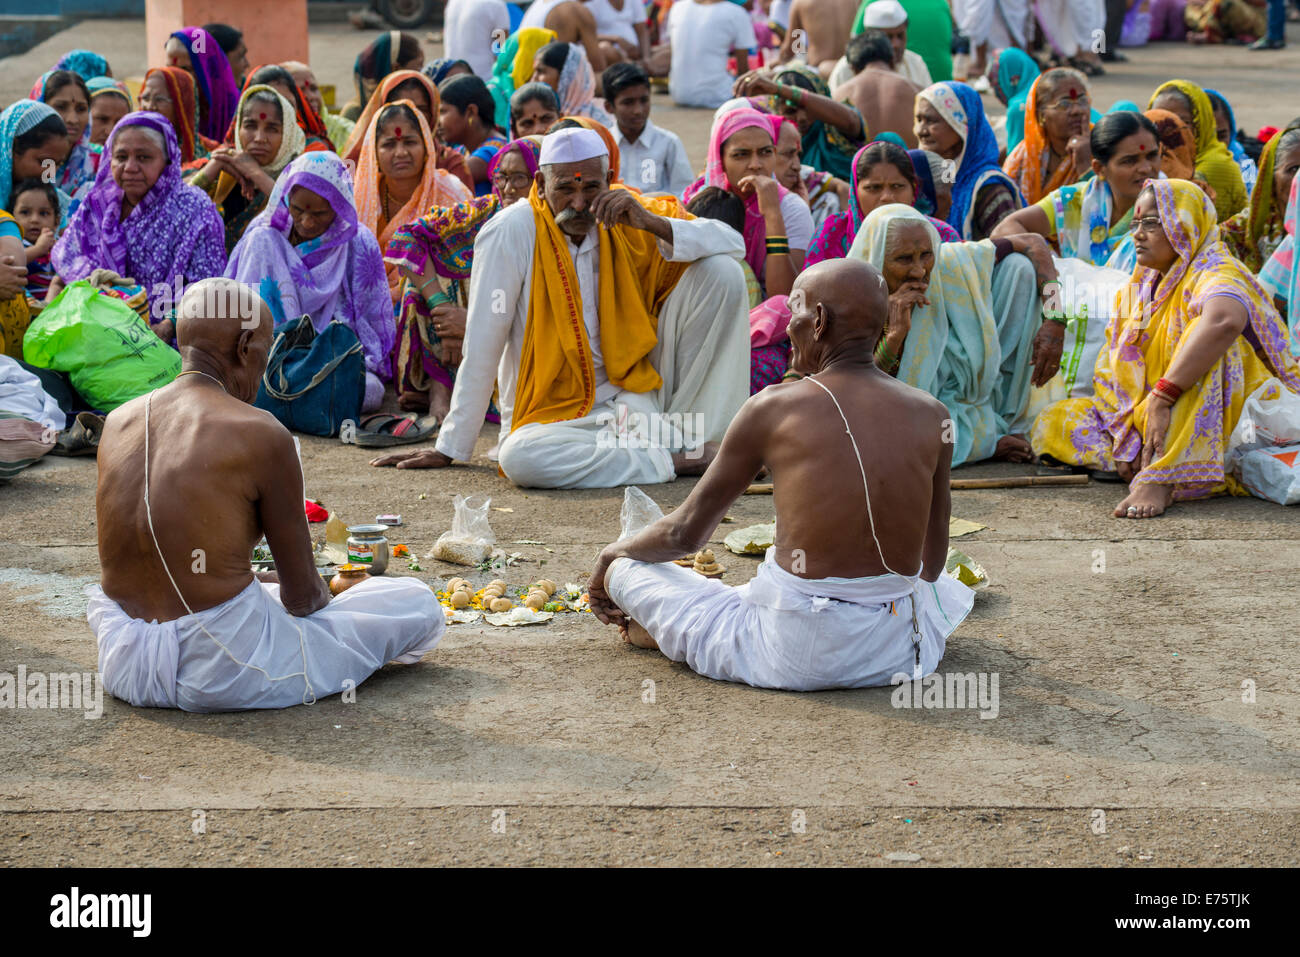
(651, 159)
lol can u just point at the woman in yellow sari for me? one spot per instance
(1214, 163)
(1191, 337)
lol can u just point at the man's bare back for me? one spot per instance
(822, 528)
(826, 26)
(885, 99)
(221, 473)
(838, 308)
(574, 23)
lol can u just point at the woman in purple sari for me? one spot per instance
(195, 51)
(307, 256)
(140, 221)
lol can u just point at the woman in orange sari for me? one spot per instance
(421, 93)
(1055, 151)
(169, 90)
(397, 179)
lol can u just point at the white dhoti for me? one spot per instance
(998, 23)
(270, 658)
(703, 358)
(795, 634)
(1073, 26)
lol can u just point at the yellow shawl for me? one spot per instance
(1213, 160)
(557, 380)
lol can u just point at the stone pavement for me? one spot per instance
(1122, 649)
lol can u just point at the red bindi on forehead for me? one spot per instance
(397, 131)
(261, 116)
(1072, 92)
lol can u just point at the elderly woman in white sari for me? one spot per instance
(975, 345)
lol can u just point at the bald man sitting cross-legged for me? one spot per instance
(190, 477)
(854, 591)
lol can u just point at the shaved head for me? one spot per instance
(837, 307)
(224, 324)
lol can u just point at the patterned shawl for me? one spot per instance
(174, 235)
(218, 92)
(352, 150)
(825, 147)
(977, 164)
(1178, 153)
(576, 88)
(445, 234)
(292, 139)
(514, 65)
(836, 234)
(1213, 160)
(337, 276)
(85, 63)
(437, 188)
(318, 137)
(1028, 163)
(19, 118)
(715, 174)
(437, 70)
(1083, 229)
(1144, 333)
(180, 87)
(1255, 233)
(1017, 71)
(107, 86)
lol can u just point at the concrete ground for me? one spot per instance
(1126, 732)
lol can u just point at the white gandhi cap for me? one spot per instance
(571, 146)
(884, 15)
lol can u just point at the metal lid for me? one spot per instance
(367, 529)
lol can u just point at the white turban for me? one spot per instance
(571, 146)
(884, 15)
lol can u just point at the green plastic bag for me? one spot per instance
(106, 349)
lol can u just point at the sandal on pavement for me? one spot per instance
(384, 429)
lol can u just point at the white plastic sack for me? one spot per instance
(1272, 474)
(1085, 299)
(1263, 446)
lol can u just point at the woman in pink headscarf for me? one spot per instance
(778, 223)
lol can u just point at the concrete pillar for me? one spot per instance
(274, 32)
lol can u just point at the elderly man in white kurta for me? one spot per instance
(615, 328)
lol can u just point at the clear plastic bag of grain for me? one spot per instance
(470, 541)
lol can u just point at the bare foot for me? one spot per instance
(634, 634)
(1013, 448)
(439, 400)
(413, 402)
(1145, 501)
(695, 461)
